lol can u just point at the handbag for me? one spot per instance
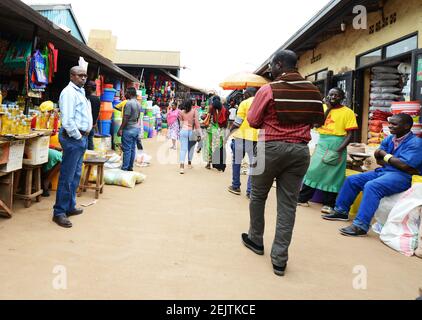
(331, 158)
(207, 120)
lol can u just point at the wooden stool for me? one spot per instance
(6, 194)
(99, 183)
(32, 184)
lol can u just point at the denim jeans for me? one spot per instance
(187, 146)
(375, 186)
(70, 173)
(240, 148)
(129, 141)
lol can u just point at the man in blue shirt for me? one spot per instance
(76, 119)
(400, 156)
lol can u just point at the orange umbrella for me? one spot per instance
(243, 80)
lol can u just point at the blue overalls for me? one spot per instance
(382, 182)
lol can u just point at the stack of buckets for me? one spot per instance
(412, 108)
(106, 110)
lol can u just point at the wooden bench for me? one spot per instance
(32, 188)
(99, 183)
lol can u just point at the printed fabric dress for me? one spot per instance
(173, 132)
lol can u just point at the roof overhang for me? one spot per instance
(324, 25)
(18, 18)
(184, 83)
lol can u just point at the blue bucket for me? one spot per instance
(108, 95)
(104, 126)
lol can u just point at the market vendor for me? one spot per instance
(3, 95)
(51, 168)
(327, 170)
(400, 156)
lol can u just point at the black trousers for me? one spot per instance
(307, 193)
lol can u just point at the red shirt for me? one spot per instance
(262, 115)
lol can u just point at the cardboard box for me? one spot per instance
(4, 152)
(36, 150)
(15, 159)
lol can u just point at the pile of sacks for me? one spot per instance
(399, 221)
(385, 90)
(128, 179)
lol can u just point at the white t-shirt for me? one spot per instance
(232, 115)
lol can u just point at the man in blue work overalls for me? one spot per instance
(400, 156)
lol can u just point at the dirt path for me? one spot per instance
(178, 237)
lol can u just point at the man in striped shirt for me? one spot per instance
(285, 111)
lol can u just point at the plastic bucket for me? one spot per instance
(105, 115)
(108, 95)
(106, 106)
(117, 122)
(104, 126)
(412, 108)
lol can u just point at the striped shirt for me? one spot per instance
(75, 111)
(262, 115)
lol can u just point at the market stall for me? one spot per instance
(35, 59)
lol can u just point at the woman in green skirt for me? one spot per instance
(213, 152)
(327, 170)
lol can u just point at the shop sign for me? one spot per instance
(392, 19)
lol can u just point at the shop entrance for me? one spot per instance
(378, 86)
(416, 90)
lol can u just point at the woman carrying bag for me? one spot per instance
(189, 134)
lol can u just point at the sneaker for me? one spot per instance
(235, 191)
(190, 166)
(259, 250)
(182, 171)
(327, 210)
(353, 231)
(336, 216)
(303, 204)
(279, 271)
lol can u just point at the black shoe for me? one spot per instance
(45, 194)
(62, 221)
(279, 271)
(336, 216)
(259, 250)
(75, 212)
(235, 191)
(353, 231)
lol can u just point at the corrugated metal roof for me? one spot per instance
(62, 15)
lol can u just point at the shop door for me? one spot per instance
(416, 91)
(345, 82)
